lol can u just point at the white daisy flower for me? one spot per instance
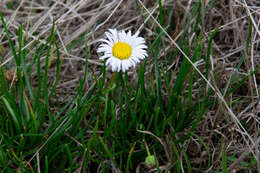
(122, 50)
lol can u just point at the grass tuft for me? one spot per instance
(62, 110)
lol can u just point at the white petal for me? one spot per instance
(132, 62)
(124, 35)
(119, 66)
(123, 68)
(105, 46)
(141, 46)
(113, 66)
(136, 34)
(113, 31)
(129, 34)
(126, 64)
(114, 35)
(121, 36)
(107, 55)
(109, 36)
(136, 60)
(108, 61)
(129, 64)
(106, 41)
(103, 49)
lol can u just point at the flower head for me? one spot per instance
(122, 50)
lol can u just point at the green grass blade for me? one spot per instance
(129, 157)
(224, 162)
(13, 115)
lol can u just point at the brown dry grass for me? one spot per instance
(92, 17)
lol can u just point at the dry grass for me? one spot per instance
(76, 20)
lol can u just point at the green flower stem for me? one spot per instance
(111, 81)
(147, 149)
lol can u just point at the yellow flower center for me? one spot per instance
(121, 50)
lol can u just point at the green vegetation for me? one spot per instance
(115, 125)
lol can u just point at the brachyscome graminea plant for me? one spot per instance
(122, 49)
